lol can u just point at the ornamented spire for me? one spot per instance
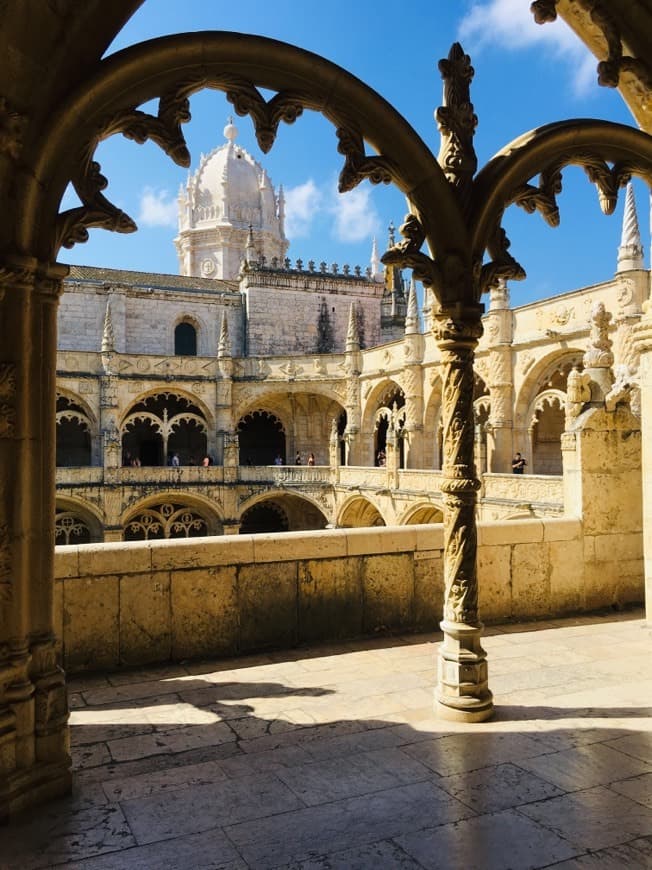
(457, 121)
(224, 345)
(352, 335)
(630, 252)
(376, 269)
(250, 248)
(108, 336)
(281, 210)
(412, 315)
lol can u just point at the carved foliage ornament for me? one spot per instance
(247, 100)
(139, 126)
(609, 70)
(357, 165)
(456, 119)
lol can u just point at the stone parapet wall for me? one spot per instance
(130, 604)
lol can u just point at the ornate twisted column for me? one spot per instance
(462, 691)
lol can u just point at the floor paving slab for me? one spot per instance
(332, 758)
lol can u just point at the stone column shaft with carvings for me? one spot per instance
(462, 691)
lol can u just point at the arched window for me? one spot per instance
(185, 340)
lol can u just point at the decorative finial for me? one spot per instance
(108, 337)
(630, 252)
(391, 229)
(224, 345)
(412, 313)
(376, 269)
(352, 335)
(457, 121)
(230, 131)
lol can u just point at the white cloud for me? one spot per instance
(157, 209)
(511, 24)
(302, 203)
(355, 215)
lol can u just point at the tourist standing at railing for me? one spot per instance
(518, 464)
(278, 460)
(311, 459)
(174, 462)
(297, 460)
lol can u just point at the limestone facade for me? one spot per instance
(261, 383)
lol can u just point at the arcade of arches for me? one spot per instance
(171, 394)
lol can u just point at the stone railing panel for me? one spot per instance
(132, 604)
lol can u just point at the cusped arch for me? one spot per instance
(540, 372)
(77, 521)
(171, 514)
(359, 512)
(296, 511)
(174, 68)
(179, 393)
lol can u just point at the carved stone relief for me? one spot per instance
(7, 400)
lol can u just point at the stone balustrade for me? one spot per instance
(129, 604)
(284, 474)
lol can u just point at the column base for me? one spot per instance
(482, 710)
(462, 693)
(31, 786)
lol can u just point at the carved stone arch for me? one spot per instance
(180, 393)
(77, 522)
(359, 512)
(537, 376)
(547, 423)
(161, 423)
(173, 68)
(177, 514)
(609, 153)
(377, 398)
(77, 431)
(295, 511)
(421, 513)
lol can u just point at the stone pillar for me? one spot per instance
(413, 388)
(34, 741)
(644, 347)
(500, 329)
(462, 692)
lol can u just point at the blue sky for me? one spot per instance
(525, 76)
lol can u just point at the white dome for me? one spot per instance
(231, 187)
(229, 193)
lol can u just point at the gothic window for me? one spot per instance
(70, 529)
(165, 520)
(185, 339)
(73, 434)
(160, 426)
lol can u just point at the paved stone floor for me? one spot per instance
(331, 758)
